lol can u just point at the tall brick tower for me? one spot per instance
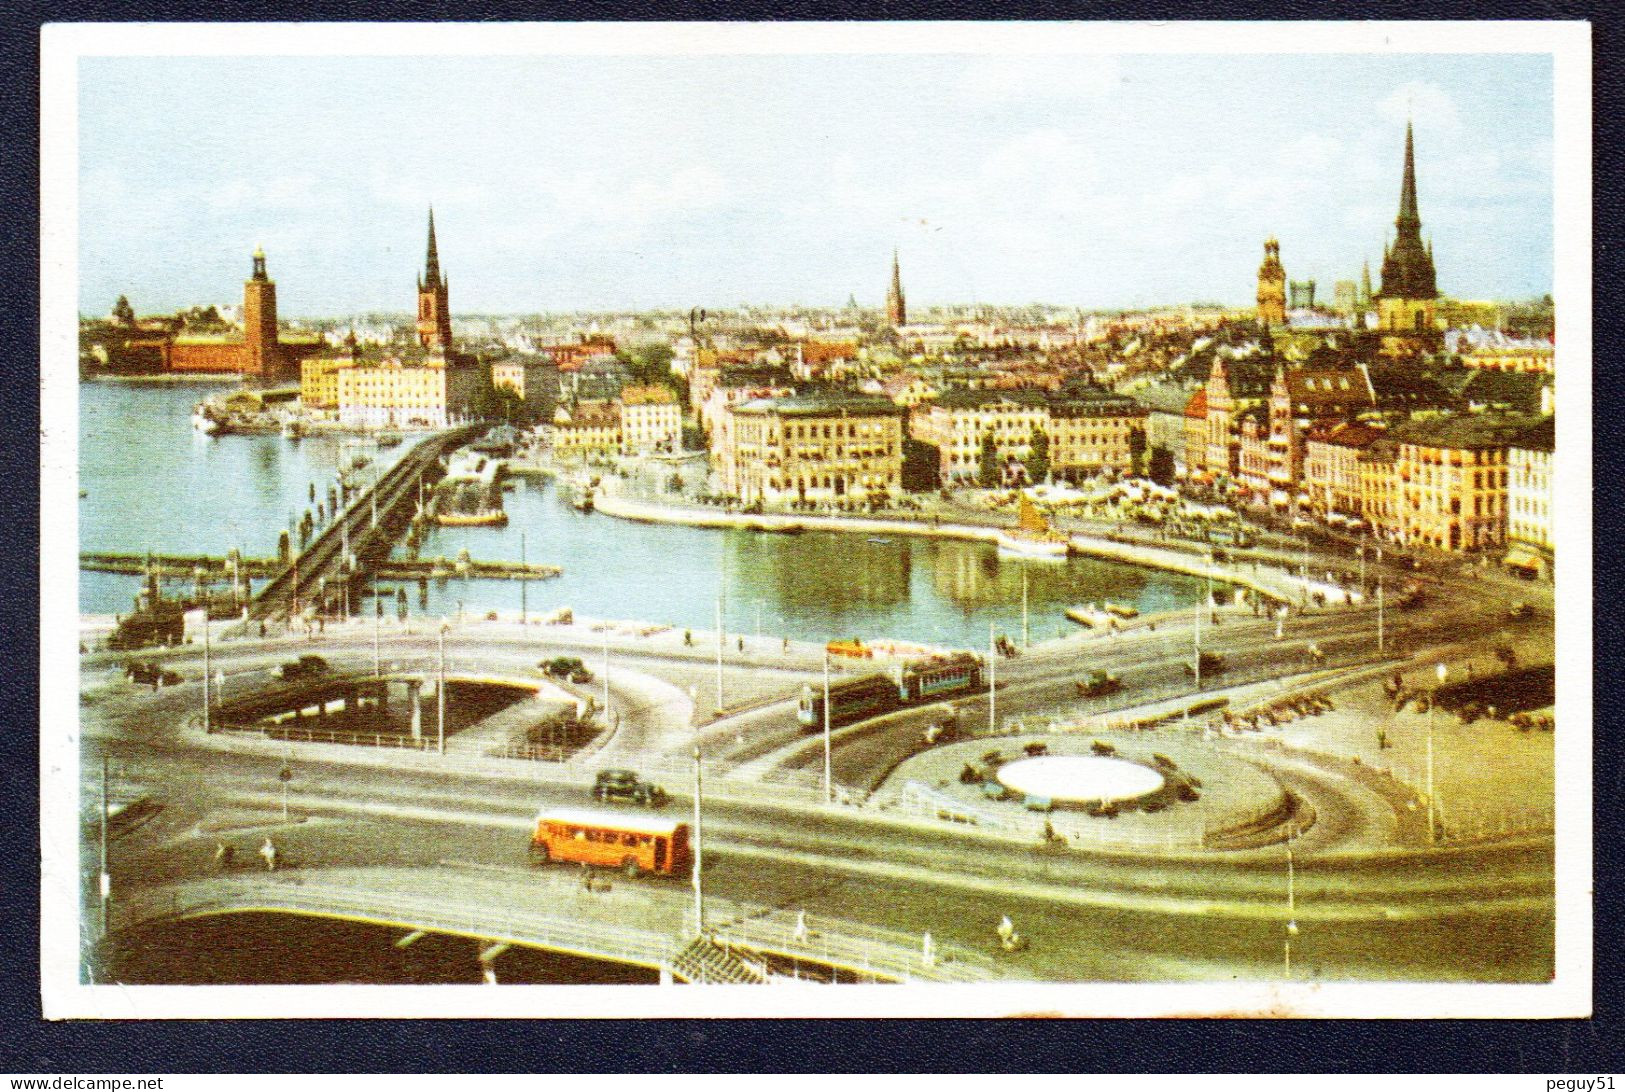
(1405, 303)
(1272, 287)
(434, 312)
(896, 309)
(262, 354)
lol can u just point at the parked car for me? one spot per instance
(304, 667)
(563, 667)
(1212, 663)
(626, 785)
(149, 674)
(1098, 683)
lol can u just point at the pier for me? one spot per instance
(214, 570)
(352, 546)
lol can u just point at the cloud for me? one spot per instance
(1425, 103)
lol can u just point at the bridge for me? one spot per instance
(364, 534)
(498, 908)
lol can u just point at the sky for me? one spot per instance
(638, 182)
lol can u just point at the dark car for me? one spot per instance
(304, 667)
(612, 785)
(563, 667)
(1211, 663)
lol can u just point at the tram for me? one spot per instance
(916, 682)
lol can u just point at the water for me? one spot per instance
(154, 483)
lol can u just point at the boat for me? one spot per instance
(1088, 616)
(1032, 536)
(293, 430)
(582, 501)
(489, 518)
(388, 439)
(878, 541)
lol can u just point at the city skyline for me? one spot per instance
(989, 175)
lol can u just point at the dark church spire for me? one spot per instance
(1407, 265)
(431, 263)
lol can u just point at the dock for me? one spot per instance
(189, 567)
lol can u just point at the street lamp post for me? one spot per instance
(992, 680)
(828, 786)
(440, 691)
(1197, 663)
(699, 895)
(105, 879)
(1379, 617)
(606, 676)
(1443, 672)
(206, 667)
(1024, 640)
(524, 581)
(377, 622)
(1291, 910)
(719, 655)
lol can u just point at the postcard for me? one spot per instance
(977, 519)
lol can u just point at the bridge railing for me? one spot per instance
(891, 953)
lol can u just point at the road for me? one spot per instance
(1464, 913)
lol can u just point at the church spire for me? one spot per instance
(1407, 188)
(431, 262)
(896, 309)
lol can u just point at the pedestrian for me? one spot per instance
(787, 645)
(741, 644)
(268, 851)
(688, 637)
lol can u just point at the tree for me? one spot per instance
(921, 466)
(1162, 466)
(123, 313)
(1037, 456)
(649, 364)
(988, 472)
(1136, 450)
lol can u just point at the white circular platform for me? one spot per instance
(1080, 778)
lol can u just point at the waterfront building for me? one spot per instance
(1299, 399)
(1453, 480)
(651, 419)
(1092, 433)
(1529, 499)
(591, 427)
(1379, 489)
(896, 307)
(1331, 465)
(814, 447)
(533, 378)
(1252, 451)
(319, 378)
(956, 421)
(1271, 286)
(1408, 298)
(1233, 386)
(406, 390)
(1194, 460)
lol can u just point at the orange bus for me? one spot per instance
(632, 843)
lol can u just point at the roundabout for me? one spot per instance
(1081, 779)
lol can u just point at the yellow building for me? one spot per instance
(1512, 358)
(587, 428)
(319, 383)
(1451, 491)
(651, 419)
(1529, 499)
(814, 448)
(1090, 435)
(1332, 468)
(957, 420)
(397, 392)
